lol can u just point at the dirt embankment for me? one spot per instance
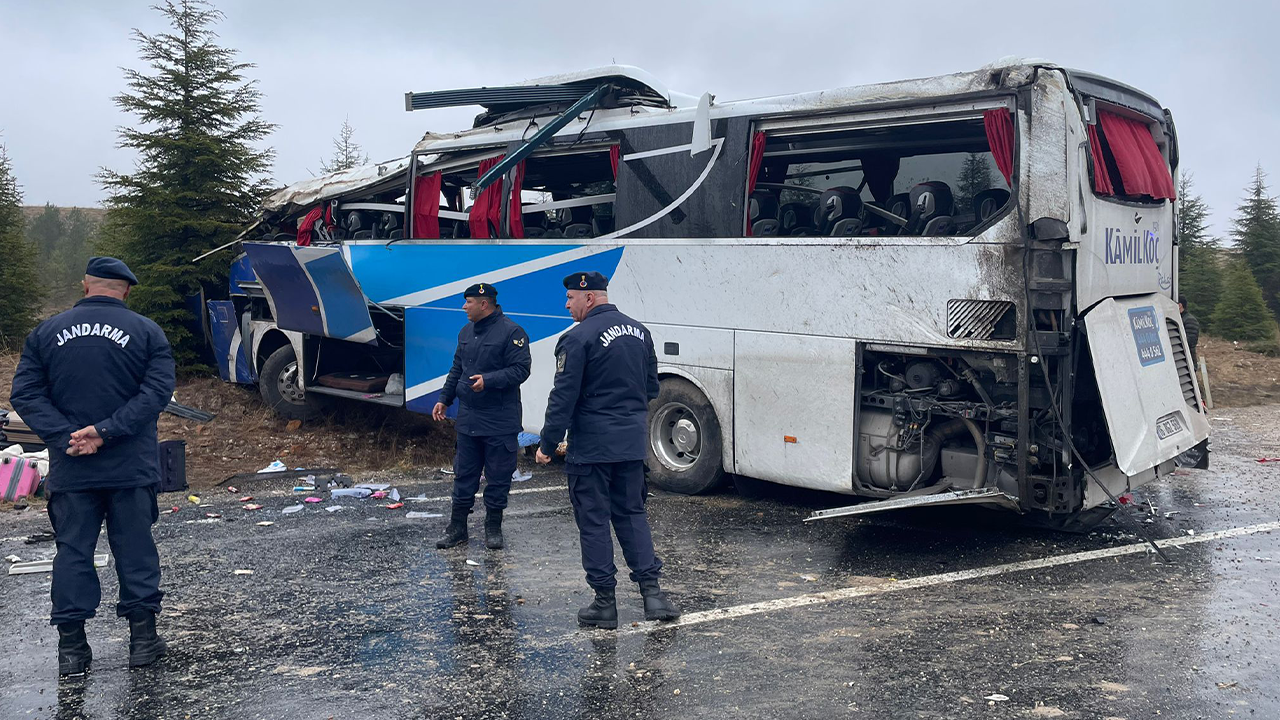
(1239, 378)
(247, 436)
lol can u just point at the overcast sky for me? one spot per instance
(1214, 66)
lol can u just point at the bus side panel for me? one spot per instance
(703, 356)
(794, 403)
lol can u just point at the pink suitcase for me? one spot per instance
(19, 478)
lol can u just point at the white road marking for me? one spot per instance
(848, 593)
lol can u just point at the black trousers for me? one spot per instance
(612, 493)
(77, 520)
(495, 455)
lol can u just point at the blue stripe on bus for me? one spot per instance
(535, 301)
(386, 272)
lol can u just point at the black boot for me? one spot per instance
(602, 612)
(493, 530)
(656, 604)
(74, 654)
(456, 532)
(145, 646)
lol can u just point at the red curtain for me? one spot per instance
(426, 205)
(753, 171)
(487, 206)
(308, 222)
(615, 154)
(1142, 167)
(515, 214)
(999, 126)
(1101, 178)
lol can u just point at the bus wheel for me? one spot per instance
(684, 440)
(281, 391)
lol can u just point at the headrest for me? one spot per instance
(989, 202)
(763, 205)
(836, 204)
(931, 199)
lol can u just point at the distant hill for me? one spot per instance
(94, 214)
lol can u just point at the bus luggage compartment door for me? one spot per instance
(228, 345)
(311, 290)
(1143, 370)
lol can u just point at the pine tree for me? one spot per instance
(1199, 268)
(975, 176)
(66, 265)
(199, 176)
(45, 232)
(1242, 314)
(20, 291)
(1256, 231)
(346, 152)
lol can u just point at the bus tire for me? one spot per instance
(685, 450)
(278, 384)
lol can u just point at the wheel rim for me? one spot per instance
(287, 384)
(676, 436)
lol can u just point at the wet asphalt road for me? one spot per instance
(354, 614)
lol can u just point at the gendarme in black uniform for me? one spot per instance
(606, 374)
(101, 366)
(497, 349)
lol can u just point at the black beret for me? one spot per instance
(484, 290)
(586, 281)
(110, 268)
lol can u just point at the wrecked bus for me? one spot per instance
(948, 290)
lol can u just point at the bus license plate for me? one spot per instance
(1169, 425)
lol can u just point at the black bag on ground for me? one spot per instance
(173, 466)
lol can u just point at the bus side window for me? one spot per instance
(921, 179)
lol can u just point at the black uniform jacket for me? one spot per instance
(606, 374)
(498, 349)
(98, 364)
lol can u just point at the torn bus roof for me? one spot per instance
(637, 86)
(325, 187)
(1006, 73)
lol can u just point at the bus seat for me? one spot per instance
(840, 211)
(396, 234)
(362, 235)
(602, 224)
(797, 219)
(988, 203)
(930, 201)
(575, 222)
(535, 225)
(763, 213)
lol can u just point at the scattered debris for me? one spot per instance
(291, 510)
(187, 412)
(39, 537)
(395, 495)
(312, 500)
(375, 487)
(13, 558)
(193, 499)
(446, 471)
(212, 515)
(231, 489)
(1100, 620)
(292, 425)
(997, 697)
(394, 506)
(46, 565)
(415, 515)
(252, 506)
(246, 498)
(335, 508)
(1070, 626)
(355, 492)
(242, 572)
(266, 523)
(304, 488)
(1269, 459)
(1221, 685)
(379, 495)
(472, 562)
(275, 466)
(521, 476)
(173, 509)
